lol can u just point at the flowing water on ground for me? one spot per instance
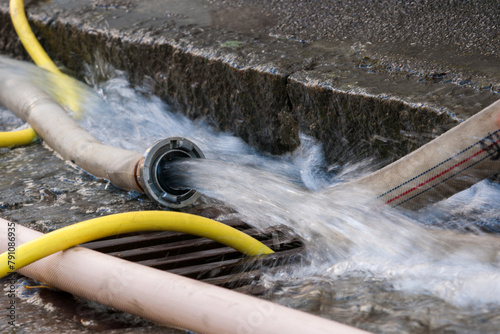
(370, 266)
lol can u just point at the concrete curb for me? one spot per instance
(264, 89)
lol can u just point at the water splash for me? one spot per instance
(438, 256)
(369, 265)
(347, 232)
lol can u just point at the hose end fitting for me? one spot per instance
(152, 171)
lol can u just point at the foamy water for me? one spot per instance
(346, 232)
(440, 252)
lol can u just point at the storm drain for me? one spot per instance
(204, 259)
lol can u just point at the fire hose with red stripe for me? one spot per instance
(461, 157)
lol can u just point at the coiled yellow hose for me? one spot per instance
(67, 90)
(17, 138)
(101, 227)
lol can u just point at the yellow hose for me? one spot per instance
(101, 227)
(67, 89)
(97, 228)
(17, 138)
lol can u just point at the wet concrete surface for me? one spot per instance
(262, 69)
(364, 77)
(37, 180)
(43, 310)
(41, 191)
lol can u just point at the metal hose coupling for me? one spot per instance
(152, 171)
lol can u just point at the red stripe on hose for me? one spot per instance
(435, 176)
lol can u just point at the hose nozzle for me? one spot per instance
(154, 170)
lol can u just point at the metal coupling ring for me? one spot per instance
(152, 173)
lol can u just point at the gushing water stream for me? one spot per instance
(367, 264)
(348, 233)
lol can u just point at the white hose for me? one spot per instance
(461, 157)
(64, 135)
(449, 164)
(162, 297)
(123, 168)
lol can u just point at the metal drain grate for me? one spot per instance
(201, 258)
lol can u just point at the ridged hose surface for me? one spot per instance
(17, 138)
(101, 227)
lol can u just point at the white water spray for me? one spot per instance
(349, 236)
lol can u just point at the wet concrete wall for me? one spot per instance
(364, 77)
(249, 103)
(242, 72)
(353, 126)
